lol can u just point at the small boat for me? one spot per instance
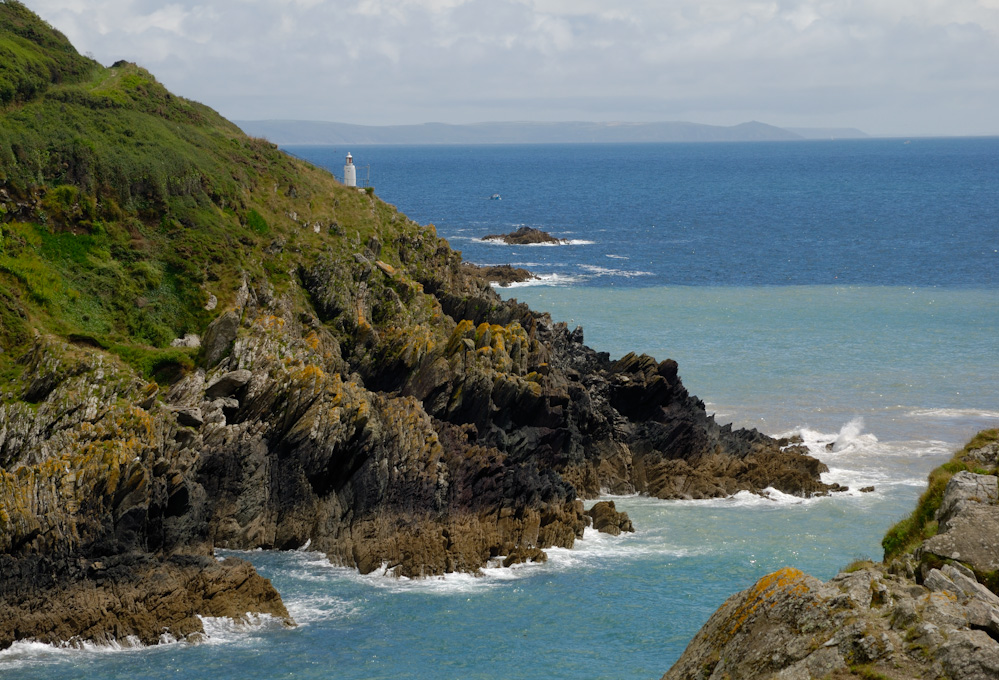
(495, 197)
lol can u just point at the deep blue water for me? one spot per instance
(843, 290)
(857, 212)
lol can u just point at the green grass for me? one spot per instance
(906, 535)
(124, 207)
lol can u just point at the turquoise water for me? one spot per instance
(893, 369)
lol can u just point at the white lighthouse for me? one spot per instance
(349, 173)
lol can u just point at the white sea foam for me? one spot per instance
(28, 653)
(858, 459)
(543, 280)
(617, 257)
(952, 413)
(596, 270)
(223, 630)
(593, 548)
(562, 242)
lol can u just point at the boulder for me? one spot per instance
(219, 337)
(228, 384)
(190, 417)
(964, 488)
(971, 537)
(608, 520)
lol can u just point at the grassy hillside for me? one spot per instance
(124, 209)
(906, 535)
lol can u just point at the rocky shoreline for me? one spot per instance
(931, 610)
(232, 350)
(474, 440)
(470, 435)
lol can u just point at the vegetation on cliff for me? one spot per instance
(207, 343)
(906, 535)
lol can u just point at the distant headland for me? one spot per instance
(291, 132)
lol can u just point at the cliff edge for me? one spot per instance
(209, 344)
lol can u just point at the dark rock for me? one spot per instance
(521, 555)
(228, 384)
(525, 236)
(502, 274)
(190, 417)
(130, 595)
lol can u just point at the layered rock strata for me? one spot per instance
(456, 430)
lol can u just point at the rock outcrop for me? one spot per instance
(500, 274)
(933, 613)
(526, 236)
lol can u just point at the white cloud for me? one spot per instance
(886, 65)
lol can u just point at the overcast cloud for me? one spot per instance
(896, 67)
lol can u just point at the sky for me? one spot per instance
(888, 67)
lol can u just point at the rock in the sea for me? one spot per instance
(525, 236)
(501, 274)
(127, 596)
(608, 520)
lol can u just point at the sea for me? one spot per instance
(844, 290)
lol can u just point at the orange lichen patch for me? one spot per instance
(410, 344)
(270, 321)
(362, 322)
(464, 330)
(312, 341)
(786, 582)
(308, 373)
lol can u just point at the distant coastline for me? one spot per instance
(291, 132)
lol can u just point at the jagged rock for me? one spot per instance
(608, 520)
(521, 555)
(791, 627)
(967, 487)
(228, 384)
(502, 274)
(130, 595)
(218, 338)
(971, 537)
(190, 417)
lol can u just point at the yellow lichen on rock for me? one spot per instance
(783, 582)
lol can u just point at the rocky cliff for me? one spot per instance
(931, 610)
(208, 344)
